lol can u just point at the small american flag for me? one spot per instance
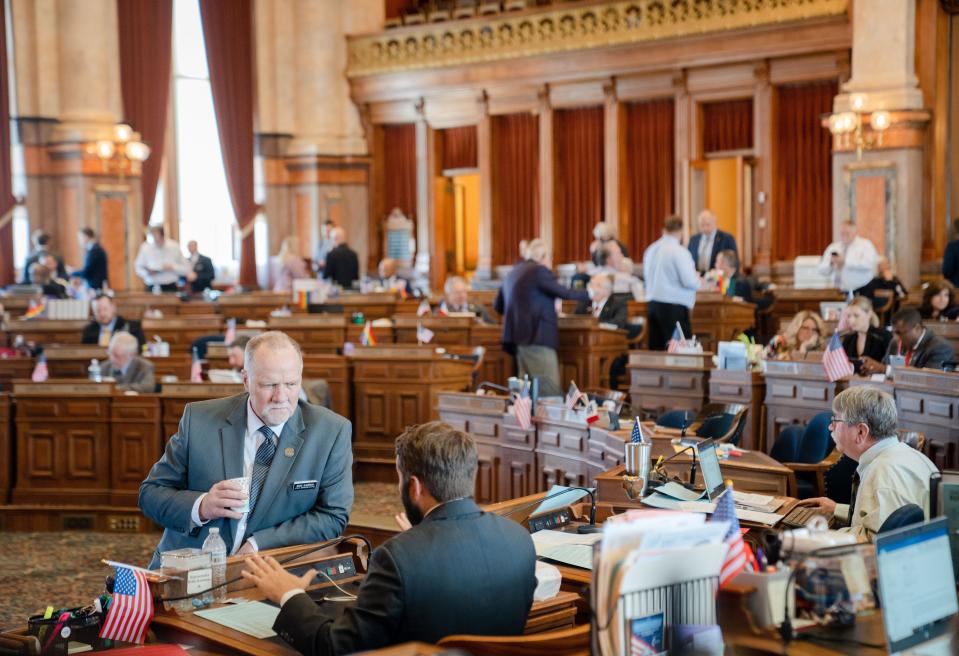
(40, 371)
(230, 335)
(523, 407)
(572, 395)
(423, 309)
(131, 607)
(676, 341)
(423, 334)
(196, 369)
(737, 555)
(835, 361)
(637, 435)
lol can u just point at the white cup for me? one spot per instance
(244, 483)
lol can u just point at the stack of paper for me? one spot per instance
(761, 502)
(666, 502)
(567, 548)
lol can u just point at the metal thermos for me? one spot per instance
(637, 457)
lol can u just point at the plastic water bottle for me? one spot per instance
(215, 546)
(93, 371)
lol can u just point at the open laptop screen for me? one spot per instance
(709, 463)
(914, 566)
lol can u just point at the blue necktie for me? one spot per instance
(261, 464)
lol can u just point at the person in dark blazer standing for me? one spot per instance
(950, 259)
(41, 247)
(342, 264)
(203, 271)
(106, 322)
(706, 244)
(526, 301)
(918, 346)
(94, 270)
(457, 569)
(604, 305)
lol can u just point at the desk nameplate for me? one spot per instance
(56, 388)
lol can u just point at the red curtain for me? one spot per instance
(727, 125)
(515, 183)
(6, 181)
(648, 171)
(459, 148)
(399, 164)
(228, 33)
(578, 181)
(802, 170)
(146, 47)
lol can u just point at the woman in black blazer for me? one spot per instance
(865, 338)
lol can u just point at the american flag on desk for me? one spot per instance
(131, 607)
(676, 341)
(523, 407)
(572, 395)
(835, 361)
(196, 368)
(637, 435)
(738, 553)
(230, 335)
(40, 371)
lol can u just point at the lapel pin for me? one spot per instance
(288, 452)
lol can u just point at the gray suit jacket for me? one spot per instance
(314, 448)
(932, 352)
(139, 376)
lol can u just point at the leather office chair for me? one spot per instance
(550, 643)
(809, 452)
(675, 419)
(908, 515)
(723, 422)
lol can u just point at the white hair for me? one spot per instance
(452, 280)
(536, 250)
(123, 343)
(602, 230)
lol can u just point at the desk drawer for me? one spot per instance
(63, 408)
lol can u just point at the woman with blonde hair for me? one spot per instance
(288, 264)
(865, 338)
(806, 332)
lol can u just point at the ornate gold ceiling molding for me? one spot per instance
(579, 27)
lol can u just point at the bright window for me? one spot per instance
(206, 213)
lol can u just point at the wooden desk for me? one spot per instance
(181, 332)
(135, 445)
(586, 350)
(662, 381)
(395, 387)
(175, 396)
(748, 388)
(46, 331)
(928, 401)
(378, 305)
(73, 362)
(506, 453)
(315, 333)
(498, 365)
(335, 370)
(787, 301)
(6, 448)
(447, 331)
(254, 305)
(383, 334)
(716, 318)
(796, 391)
(948, 330)
(569, 451)
(12, 369)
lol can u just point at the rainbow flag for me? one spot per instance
(723, 285)
(367, 338)
(35, 310)
(302, 299)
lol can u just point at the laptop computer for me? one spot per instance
(917, 589)
(944, 502)
(709, 465)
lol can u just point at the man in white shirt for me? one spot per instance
(671, 284)
(851, 261)
(160, 262)
(890, 474)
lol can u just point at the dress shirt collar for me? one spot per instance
(253, 422)
(109, 326)
(873, 452)
(445, 504)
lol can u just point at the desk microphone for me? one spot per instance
(589, 528)
(692, 467)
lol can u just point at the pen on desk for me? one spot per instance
(658, 463)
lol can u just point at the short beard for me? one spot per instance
(414, 514)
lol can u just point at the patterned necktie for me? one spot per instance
(852, 496)
(261, 464)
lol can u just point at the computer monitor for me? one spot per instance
(944, 502)
(709, 465)
(916, 584)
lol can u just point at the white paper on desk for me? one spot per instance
(762, 502)
(758, 517)
(571, 496)
(677, 491)
(569, 548)
(254, 618)
(657, 500)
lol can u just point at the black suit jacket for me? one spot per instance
(204, 273)
(35, 256)
(722, 242)
(950, 262)
(94, 269)
(91, 332)
(526, 302)
(461, 570)
(932, 352)
(877, 343)
(342, 266)
(614, 311)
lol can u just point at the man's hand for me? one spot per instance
(824, 504)
(272, 580)
(168, 266)
(870, 366)
(220, 501)
(403, 521)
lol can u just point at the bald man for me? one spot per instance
(706, 244)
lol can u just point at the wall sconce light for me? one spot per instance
(848, 126)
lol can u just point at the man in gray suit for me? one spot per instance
(297, 456)
(129, 370)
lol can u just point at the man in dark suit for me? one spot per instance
(106, 321)
(457, 570)
(41, 247)
(126, 367)
(203, 271)
(94, 270)
(605, 306)
(706, 244)
(917, 346)
(526, 302)
(950, 259)
(342, 264)
(297, 456)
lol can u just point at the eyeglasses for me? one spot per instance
(839, 420)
